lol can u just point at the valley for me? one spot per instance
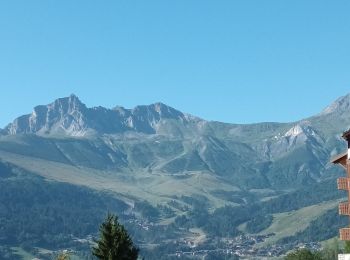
(182, 185)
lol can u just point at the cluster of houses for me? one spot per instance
(244, 246)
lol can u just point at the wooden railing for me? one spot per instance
(343, 183)
(344, 208)
(344, 233)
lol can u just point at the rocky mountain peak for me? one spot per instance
(157, 111)
(67, 104)
(341, 105)
(69, 116)
(61, 116)
(300, 129)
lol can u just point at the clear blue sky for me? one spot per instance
(235, 61)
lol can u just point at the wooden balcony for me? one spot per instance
(344, 233)
(343, 183)
(344, 208)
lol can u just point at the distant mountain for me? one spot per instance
(175, 161)
(69, 116)
(162, 139)
(341, 105)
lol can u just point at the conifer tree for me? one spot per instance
(347, 247)
(303, 254)
(63, 256)
(114, 243)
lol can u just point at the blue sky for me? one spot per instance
(233, 61)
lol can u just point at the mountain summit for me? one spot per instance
(341, 105)
(69, 116)
(64, 115)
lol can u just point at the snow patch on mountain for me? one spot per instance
(299, 130)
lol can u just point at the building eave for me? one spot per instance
(340, 159)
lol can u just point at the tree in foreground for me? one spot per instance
(63, 256)
(114, 243)
(303, 254)
(347, 247)
(331, 249)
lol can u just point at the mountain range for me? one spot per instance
(161, 156)
(162, 139)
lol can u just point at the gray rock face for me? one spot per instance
(162, 139)
(341, 105)
(64, 115)
(69, 116)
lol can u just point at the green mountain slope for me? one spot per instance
(173, 171)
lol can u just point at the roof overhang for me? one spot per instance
(346, 135)
(340, 159)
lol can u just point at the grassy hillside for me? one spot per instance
(178, 182)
